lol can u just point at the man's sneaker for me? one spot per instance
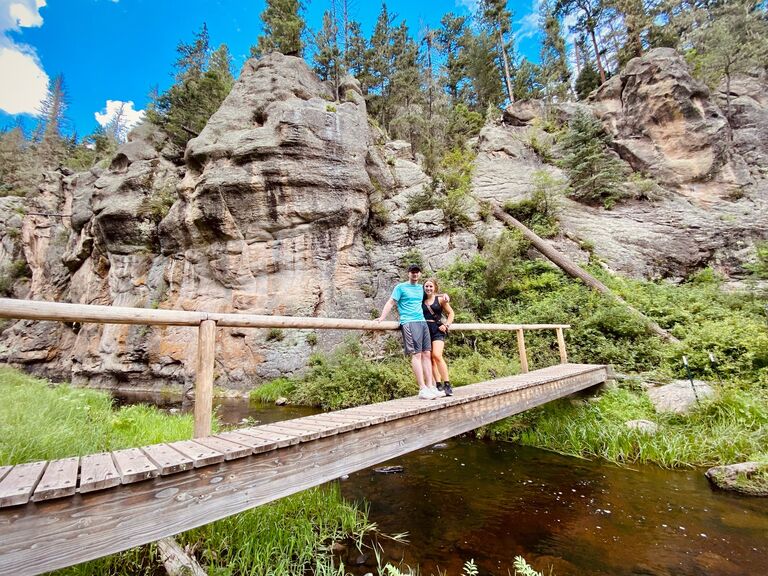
(426, 394)
(448, 389)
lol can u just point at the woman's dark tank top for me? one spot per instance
(434, 312)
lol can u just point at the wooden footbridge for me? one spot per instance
(59, 513)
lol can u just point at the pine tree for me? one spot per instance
(485, 80)
(594, 174)
(283, 29)
(527, 84)
(17, 177)
(327, 58)
(498, 20)
(451, 46)
(49, 134)
(590, 13)
(203, 81)
(554, 59)
(586, 81)
(734, 40)
(358, 55)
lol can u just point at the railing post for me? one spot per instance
(521, 350)
(206, 350)
(561, 346)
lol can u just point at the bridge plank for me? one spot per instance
(20, 482)
(281, 439)
(98, 472)
(4, 470)
(230, 448)
(168, 460)
(313, 425)
(105, 522)
(304, 434)
(339, 425)
(133, 465)
(201, 455)
(59, 479)
(257, 445)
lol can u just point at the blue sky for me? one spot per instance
(117, 50)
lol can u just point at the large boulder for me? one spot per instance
(680, 396)
(665, 124)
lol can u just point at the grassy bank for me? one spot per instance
(290, 536)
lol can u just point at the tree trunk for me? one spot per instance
(507, 78)
(577, 272)
(597, 55)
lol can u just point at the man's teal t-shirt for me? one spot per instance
(409, 297)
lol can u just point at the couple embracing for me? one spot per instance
(421, 311)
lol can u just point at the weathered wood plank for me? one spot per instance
(4, 470)
(281, 439)
(133, 465)
(20, 482)
(168, 460)
(305, 425)
(206, 357)
(59, 479)
(200, 455)
(229, 448)
(176, 561)
(302, 435)
(97, 472)
(109, 521)
(337, 425)
(257, 445)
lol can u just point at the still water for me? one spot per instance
(468, 499)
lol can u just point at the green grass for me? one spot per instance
(40, 421)
(730, 428)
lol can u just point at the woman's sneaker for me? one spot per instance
(448, 389)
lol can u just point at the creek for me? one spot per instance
(491, 501)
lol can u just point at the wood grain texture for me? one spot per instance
(59, 479)
(45, 536)
(168, 460)
(20, 482)
(97, 472)
(133, 465)
(206, 357)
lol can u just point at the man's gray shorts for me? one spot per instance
(416, 338)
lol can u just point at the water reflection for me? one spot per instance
(492, 501)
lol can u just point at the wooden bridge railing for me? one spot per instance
(207, 322)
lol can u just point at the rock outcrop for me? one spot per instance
(291, 203)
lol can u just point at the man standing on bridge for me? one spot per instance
(416, 342)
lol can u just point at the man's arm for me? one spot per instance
(387, 309)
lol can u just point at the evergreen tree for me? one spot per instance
(17, 176)
(590, 14)
(734, 40)
(586, 81)
(327, 59)
(451, 46)
(555, 75)
(358, 56)
(283, 29)
(498, 21)
(527, 84)
(594, 174)
(202, 83)
(49, 137)
(487, 88)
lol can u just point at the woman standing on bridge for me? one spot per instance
(434, 306)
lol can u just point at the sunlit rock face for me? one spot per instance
(665, 124)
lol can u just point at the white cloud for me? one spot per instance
(25, 82)
(26, 14)
(470, 5)
(29, 83)
(129, 116)
(530, 24)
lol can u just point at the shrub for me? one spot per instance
(275, 335)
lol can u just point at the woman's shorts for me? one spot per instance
(434, 331)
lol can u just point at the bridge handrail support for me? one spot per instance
(208, 322)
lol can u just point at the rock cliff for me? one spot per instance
(290, 203)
